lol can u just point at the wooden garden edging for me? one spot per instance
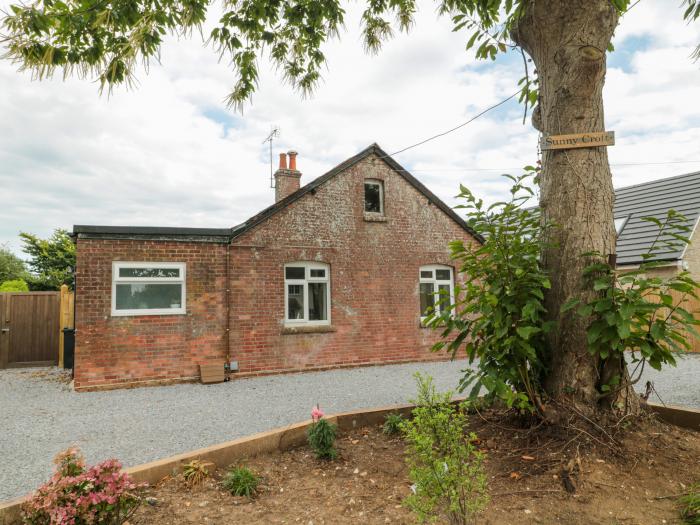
(294, 435)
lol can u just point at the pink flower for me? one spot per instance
(316, 413)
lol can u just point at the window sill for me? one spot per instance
(145, 313)
(317, 329)
(374, 217)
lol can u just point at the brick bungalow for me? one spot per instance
(335, 273)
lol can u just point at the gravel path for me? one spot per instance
(41, 416)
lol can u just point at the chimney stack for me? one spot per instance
(287, 179)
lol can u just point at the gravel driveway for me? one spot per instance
(41, 416)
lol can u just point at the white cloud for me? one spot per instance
(170, 153)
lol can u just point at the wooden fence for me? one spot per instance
(31, 327)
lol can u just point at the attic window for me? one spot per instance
(374, 196)
(620, 223)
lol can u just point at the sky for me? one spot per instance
(169, 152)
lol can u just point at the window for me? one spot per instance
(435, 285)
(307, 293)
(620, 223)
(148, 288)
(374, 196)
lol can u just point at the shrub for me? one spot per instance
(321, 436)
(499, 314)
(16, 285)
(195, 472)
(447, 471)
(690, 506)
(392, 424)
(77, 495)
(241, 481)
(636, 316)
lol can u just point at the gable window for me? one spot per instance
(374, 196)
(620, 223)
(148, 288)
(307, 293)
(436, 285)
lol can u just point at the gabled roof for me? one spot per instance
(227, 234)
(654, 199)
(316, 183)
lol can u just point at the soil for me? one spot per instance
(634, 481)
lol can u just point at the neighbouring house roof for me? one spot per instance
(227, 234)
(654, 199)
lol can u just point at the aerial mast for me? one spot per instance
(273, 134)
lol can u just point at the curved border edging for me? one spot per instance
(293, 435)
(229, 452)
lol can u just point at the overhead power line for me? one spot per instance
(456, 127)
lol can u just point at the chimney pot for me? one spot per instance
(283, 161)
(292, 160)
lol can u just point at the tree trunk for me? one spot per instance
(567, 41)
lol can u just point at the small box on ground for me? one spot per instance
(212, 372)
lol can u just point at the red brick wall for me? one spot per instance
(374, 275)
(113, 350)
(374, 270)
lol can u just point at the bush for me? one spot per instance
(16, 285)
(447, 471)
(499, 315)
(195, 472)
(77, 495)
(392, 424)
(636, 316)
(241, 481)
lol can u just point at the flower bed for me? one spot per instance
(369, 480)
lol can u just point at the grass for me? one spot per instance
(241, 481)
(690, 506)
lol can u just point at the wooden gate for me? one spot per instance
(30, 324)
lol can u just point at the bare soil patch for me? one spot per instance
(630, 485)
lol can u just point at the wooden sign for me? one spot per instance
(578, 140)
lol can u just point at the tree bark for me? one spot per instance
(567, 41)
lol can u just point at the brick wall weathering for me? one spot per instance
(374, 268)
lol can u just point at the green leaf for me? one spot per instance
(526, 331)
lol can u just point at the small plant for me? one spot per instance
(100, 494)
(195, 472)
(392, 423)
(321, 435)
(449, 482)
(690, 506)
(241, 481)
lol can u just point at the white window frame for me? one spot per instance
(435, 282)
(116, 279)
(376, 182)
(308, 266)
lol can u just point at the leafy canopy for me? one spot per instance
(107, 39)
(51, 260)
(11, 266)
